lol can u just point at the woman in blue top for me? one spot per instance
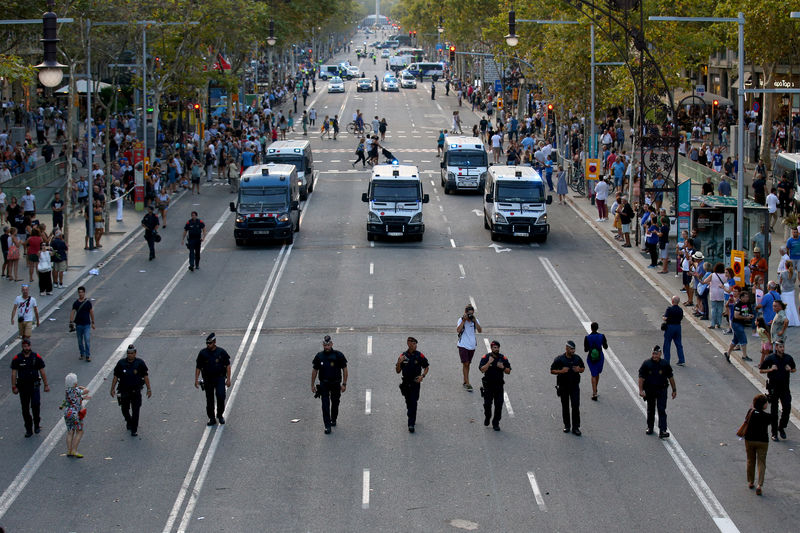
(593, 345)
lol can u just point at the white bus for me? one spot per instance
(426, 70)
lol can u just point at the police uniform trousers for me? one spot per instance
(330, 393)
(784, 396)
(215, 387)
(571, 397)
(493, 395)
(656, 398)
(30, 399)
(130, 401)
(151, 242)
(411, 394)
(194, 252)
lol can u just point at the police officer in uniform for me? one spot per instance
(214, 364)
(779, 366)
(414, 367)
(494, 366)
(655, 375)
(568, 368)
(196, 230)
(331, 366)
(131, 374)
(26, 369)
(150, 224)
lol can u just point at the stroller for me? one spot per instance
(388, 155)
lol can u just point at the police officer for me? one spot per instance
(150, 224)
(778, 366)
(215, 365)
(494, 366)
(331, 366)
(655, 375)
(196, 230)
(26, 369)
(568, 368)
(414, 367)
(131, 374)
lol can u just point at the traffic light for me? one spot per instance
(716, 103)
(549, 107)
(157, 62)
(410, 33)
(196, 109)
(415, 33)
(452, 53)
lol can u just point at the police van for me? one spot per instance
(515, 204)
(395, 201)
(268, 204)
(297, 153)
(788, 165)
(464, 164)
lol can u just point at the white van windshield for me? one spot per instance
(262, 198)
(520, 191)
(295, 159)
(467, 159)
(395, 191)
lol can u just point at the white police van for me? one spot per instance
(464, 164)
(297, 153)
(268, 204)
(395, 201)
(515, 204)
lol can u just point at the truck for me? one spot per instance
(515, 204)
(395, 201)
(267, 206)
(464, 164)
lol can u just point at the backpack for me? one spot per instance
(594, 355)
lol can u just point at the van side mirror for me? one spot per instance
(425, 199)
(364, 197)
(489, 198)
(233, 207)
(549, 199)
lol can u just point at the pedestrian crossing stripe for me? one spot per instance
(393, 150)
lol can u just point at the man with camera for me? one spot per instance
(414, 367)
(214, 364)
(568, 368)
(467, 326)
(331, 366)
(131, 374)
(494, 366)
(81, 321)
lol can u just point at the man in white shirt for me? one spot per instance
(600, 197)
(496, 138)
(28, 202)
(772, 207)
(467, 326)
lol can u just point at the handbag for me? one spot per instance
(743, 428)
(701, 288)
(663, 326)
(156, 237)
(13, 252)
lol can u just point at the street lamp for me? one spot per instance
(50, 70)
(511, 38)
(271, 40)
(440, 27)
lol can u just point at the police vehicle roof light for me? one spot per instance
(453, 145)
(297, 150)
(395, 162)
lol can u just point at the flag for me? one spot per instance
(222, 63)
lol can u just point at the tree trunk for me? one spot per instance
(766, 117)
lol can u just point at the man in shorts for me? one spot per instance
(25, 311)
(467, 326)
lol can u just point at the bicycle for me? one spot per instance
(353, 129)
(577, 182)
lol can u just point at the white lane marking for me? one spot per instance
(508, 404)
(369, 305)
(371, 268)
(441, 208)
(440, 107)
(534, 245)
(477, 212)
(335, 161)
(449, 229)
(499, 249)
(444, 217)
(369, 344)
(425, 161)
(675, 450)
(433, 183)
(365, 490)
(59, 430)
(368, 402)
(372, 244)
(438, 198)
(201, 477)
(472, 303)
(486, 342)
(452, 243)
(461, 269)
(536, 492)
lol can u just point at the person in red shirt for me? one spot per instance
(758, 265)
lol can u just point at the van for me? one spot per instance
(464, 164)
(395, 201)
(329, 71)
(787, 165)
(515, 204)
(297, 153)
(268, 204)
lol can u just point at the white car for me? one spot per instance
(385, 53)
(354, 71)
(408, 81)
(336, 85)
(390, 83)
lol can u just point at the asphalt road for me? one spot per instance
(271, 468)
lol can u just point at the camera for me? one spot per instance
(202, 384)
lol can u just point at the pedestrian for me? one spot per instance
(335, 126)
(32, 246)
(43, 268)
(655, 375)
(162, 200)
(672, 330)
(27, 374)
(568, 368)
(74, 413)
(779, 366)
(214, 364)
(651, 242)
(440, 144)
(150, 224)
(57, 208)
(131, 375)
(13, 254)
(663, 243)
(196, 172)
(360, 154)
(756, 441)
(561, 187)
(743, 314)
(195, 229)
(414, 366)
(382, 126)
(495, 367)
(467, 326)
(625, 212)
(331, 367)
(118, 191)
(59, 257)
(716, 281)
(304, 119)
(593, 345)
(28, 202)
(325, 130)
(81, 318)
(25, 310)
(433, 90)
(787, 280)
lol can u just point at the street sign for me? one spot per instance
(592, 169)
(439, 47)
(700, 90)
(756, 106)
(498, 86)
(737, 264)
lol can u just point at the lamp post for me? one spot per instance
(271, 40)
(50, 71)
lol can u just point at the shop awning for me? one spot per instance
(708, 98)
(747, 80)
(82, 85)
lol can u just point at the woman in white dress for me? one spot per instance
(787, 279)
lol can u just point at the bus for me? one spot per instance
(417, 53)
(426, 70)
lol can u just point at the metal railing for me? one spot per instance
(698, 174)
(44, 181)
